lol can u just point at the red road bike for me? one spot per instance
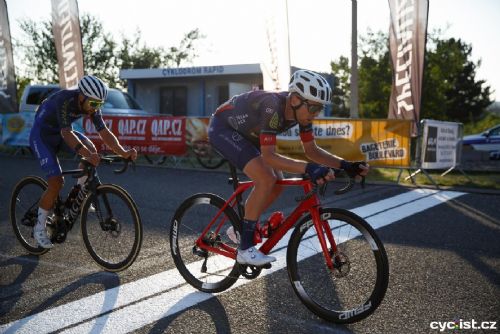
(336, 264)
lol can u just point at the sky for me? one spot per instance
(319, 30)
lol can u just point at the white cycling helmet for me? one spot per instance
(311, 86)
(93, 87)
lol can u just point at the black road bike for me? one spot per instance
(110, 221)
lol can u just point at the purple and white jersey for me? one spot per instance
(259, 116)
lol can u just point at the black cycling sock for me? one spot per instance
(247, 231)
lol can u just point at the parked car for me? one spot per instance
(121, 103)
(117, 103)
(488, 140)
(33, 95)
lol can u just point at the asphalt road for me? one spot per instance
(444, 267)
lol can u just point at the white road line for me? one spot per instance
(177, 295)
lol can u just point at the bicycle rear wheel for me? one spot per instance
(357, 284)
(24, 211)
(112, 230)
(206, 155)
(205, 270)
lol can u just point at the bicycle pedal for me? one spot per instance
(266, 266)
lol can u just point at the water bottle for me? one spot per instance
(72, 195)
(275, 220)
(265, 230)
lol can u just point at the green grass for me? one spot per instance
(486, 180)
(487, 122)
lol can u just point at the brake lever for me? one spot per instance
(115, 158)
(126, 163)
(348, 187)
(322, 189)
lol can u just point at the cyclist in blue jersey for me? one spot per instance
(244, 131)
(52, 132)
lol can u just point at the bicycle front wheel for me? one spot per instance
(24, 211)
(356, 285)
(206, 155)
(205, 270)
(111, 227)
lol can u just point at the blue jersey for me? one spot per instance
(55, 113)
(61, 109)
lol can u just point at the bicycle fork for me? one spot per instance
(324, 233)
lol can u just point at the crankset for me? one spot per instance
(30, 218)
(57, 229)
(252, 272)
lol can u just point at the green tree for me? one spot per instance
(186, 50)
(450, 89)
(134, 54)
(341, 90)
(375, 76)
(38, 51)
(102, 55)
(99, 50)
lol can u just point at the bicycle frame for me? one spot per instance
(92, 183)
(93, 180)
(309, 205)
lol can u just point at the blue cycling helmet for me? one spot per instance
(93, 87)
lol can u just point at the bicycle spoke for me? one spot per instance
(202, 268)
(356, 284)
(24, 211)
(112, 231)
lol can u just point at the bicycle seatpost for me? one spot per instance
(235, 181)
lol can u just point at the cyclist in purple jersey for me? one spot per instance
(244, 131)
(52, 132)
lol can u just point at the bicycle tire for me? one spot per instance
(221, 272)
(212, 162)
(206, 156)
(158, 160)
(348, 294)
(102, 229)
(24, 234)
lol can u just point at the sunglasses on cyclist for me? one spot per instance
(312, 108)
(95, 104)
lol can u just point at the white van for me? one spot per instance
(117, 103)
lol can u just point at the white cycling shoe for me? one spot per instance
(253, 257)
(40, 234)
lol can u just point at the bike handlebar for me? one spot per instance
(114, 158)
(108, 159)
(321, 189)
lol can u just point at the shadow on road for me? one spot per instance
(216, 316)
(105, 279)
(12, 291)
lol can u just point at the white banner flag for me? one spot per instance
(67, 36)
(276, 63)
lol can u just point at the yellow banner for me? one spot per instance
(379, 142)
